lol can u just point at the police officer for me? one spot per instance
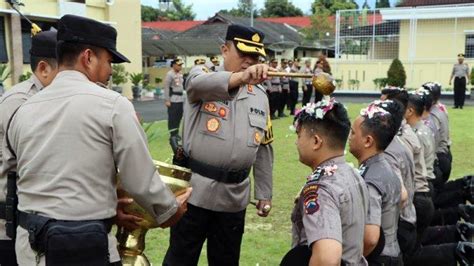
(329, 214)
(174, 98)
(308, 82)
(293, 97)
(44, 67)
(225, 119)
(213, 63)
(285, 88)
(274, 91)
(371, 133)
(460, 74)
(68, 156)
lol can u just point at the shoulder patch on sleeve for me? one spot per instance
(310, 198)
(205, 69)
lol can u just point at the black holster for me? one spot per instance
(11, 205)
(68, 242)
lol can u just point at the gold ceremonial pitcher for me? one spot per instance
(132, 244)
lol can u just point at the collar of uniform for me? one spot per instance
(373, 159)
(72, 74)
(332, 161)
(34, 79)
(243, 92)
(418, 125)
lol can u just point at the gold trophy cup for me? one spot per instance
(131, 244)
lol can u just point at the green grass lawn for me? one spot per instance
(266, 240)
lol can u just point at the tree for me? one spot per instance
(365, 5)
(320, 25)
(280, 8)
(382, 3)
(396, 75)
(333, 5)
(179, 11)
(242, 10)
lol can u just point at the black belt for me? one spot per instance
(26, 219)
(287, 82)
(218, 174)
(459, 77)
(426, 194)
(177, 93)
(275, 84)
(3, 208)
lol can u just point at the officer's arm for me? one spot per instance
(373, 221)
(263, 172)
(167, 85)
(326, 252)
(138, 175)
(204, 86)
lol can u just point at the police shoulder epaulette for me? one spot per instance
(268, 138)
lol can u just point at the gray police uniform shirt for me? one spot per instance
(384, 200)
(400, 158)
(10, 101)
(285, 81)
(273, 84)
(69, 140)
(332, 205)
(307, 70)
(410, 139)
(174, 83)
(460, 70)
(427, 141)
(224, 129)
(439, 115)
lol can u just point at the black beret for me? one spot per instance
(83, 30)
(247, 39)
(43, 44)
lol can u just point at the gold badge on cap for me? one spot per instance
(213, 125)
(256, 37)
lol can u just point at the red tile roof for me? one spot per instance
(301, 22)
(433, 2)
(178, 26)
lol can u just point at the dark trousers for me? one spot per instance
(435, 235)
(442, 168)
(222, 230)
(424, 211)
(175, 114)
(459, 91)
(283, 100)
(386, 261)
(293, 97)
(307, 94)
(450, 194)
(446, 216)
(434, 255)
(406, 236)
(317, 96)
(7, 253)
(274, 99)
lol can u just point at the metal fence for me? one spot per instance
(425, 39)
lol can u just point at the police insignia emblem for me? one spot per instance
(249, 88)
(213, 125)
(257, 137)
(210, 107)
(256, 37)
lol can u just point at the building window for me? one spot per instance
(3, 46)
(469, 53)
(26, 35)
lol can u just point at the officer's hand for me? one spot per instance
(167, 103)
(255, 74)
(263, 207)
(182, 208)
(304, 88)
(129, 221)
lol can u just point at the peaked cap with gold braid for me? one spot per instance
(248, 40)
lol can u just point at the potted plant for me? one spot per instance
(158, 90)
(119, 76)
(25, 76)
(136, 79)
(4, 74)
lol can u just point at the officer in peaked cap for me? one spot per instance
(69, 156)
(226, 132)
(174, 98)
(44, 68)
(460, 73)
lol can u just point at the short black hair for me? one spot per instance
(67, 52)
(35, 60)
(335, 125)
(417, 102)
(384, 127)
(400, 95)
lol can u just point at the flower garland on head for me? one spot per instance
(422, 91)
(388, 87)
(376, 108)
(314, 111)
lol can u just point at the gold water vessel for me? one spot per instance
(131, 244)
(322, 82)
